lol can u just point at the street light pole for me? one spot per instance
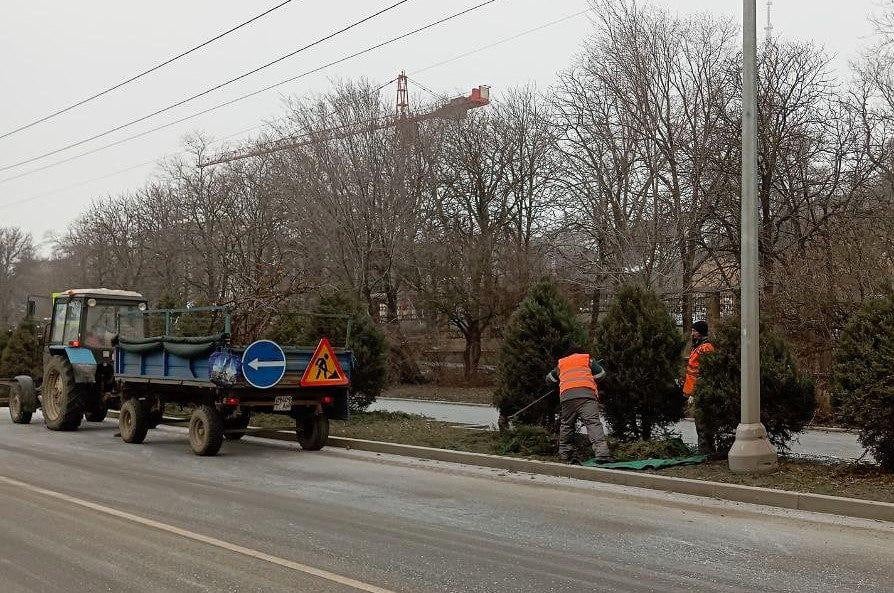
(751, 451)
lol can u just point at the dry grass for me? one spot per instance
(838, 479)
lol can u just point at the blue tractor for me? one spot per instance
(102, 351)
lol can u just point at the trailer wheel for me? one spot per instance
(312, 431)
(63, 398)
(133, 421)
(16, 405)
(236, 422)
(206, 429)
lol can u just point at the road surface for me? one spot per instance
(810, 443)
(83, 511)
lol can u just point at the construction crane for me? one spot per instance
(403, 119)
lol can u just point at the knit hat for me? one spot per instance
(701, 326)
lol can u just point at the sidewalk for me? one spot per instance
(820, 444)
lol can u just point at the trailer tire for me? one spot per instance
(236, 422)
(133, 421)
(63, 398)
(206, 430)
(16, 396)
(312, 431)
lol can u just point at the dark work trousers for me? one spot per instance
(587, 409)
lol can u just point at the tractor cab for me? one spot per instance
(92, 318)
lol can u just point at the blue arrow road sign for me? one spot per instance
(263, 364)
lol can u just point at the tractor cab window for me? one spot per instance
(102, 324)
(130, 322)
(72, 327)
(58, 323)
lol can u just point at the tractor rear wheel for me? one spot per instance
(16, 405)
(62, 399)
(206, 429)
(133, 421)
(312, 431)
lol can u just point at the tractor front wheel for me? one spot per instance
(97, 412)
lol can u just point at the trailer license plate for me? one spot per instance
(282, 403)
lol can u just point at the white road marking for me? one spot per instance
(317, 572)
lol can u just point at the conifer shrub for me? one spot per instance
(788, 395)
(22, 353)
(329, 318)
(863, 377)
(640, 348)
(539, 332)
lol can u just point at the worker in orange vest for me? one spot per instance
(576, 375)
(700, 346)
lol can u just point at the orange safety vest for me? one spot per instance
(574, 373)
(692, 367)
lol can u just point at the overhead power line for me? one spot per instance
(208, 90)
(141, 74)
(112, 174)
(254, 93)
(501, 41)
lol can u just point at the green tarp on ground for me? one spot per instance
(647, 463)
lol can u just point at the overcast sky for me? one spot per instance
(55, 53)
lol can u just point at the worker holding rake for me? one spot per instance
(576, 375)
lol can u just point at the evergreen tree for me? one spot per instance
(863, 377)
(22, 354)
(330, 319)
(539, 332)
(641, 349)
(787, 395)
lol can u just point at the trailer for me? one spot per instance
(104, 351)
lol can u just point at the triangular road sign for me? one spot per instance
(323, 370)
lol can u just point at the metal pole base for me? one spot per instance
(752, 452)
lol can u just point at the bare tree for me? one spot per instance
(16, 248)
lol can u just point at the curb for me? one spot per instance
(787, 499)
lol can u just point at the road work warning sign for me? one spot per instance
(323, 370)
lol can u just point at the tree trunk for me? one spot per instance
(645, 430)
(686, 311)
(472, 353)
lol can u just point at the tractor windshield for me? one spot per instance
(102, 323)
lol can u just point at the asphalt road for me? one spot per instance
(83, 511)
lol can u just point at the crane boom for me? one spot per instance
(455, 108)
